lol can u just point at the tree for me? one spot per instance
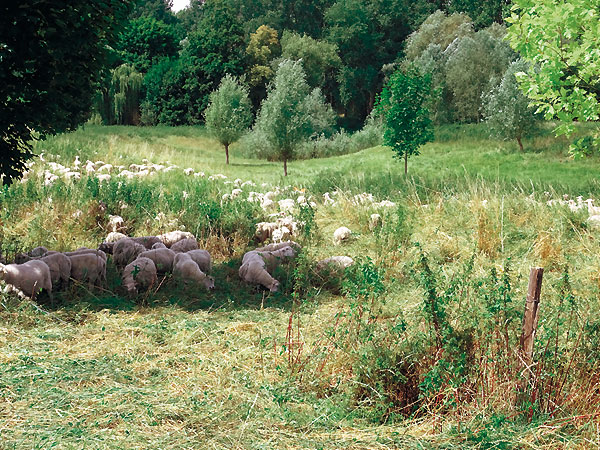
(118, 102)
(147, 40)
(402, 103)
(506, 108)
(51, 56)
(291, 113)
(229, 112)
(559, 39)
(263, 48)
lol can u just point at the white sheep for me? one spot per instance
(185, 268)
(162, 257)
(115, 223)
(185, 245)
(126, 250)
(342, 234)
(85, 251)
(335, 263)
(189, 171)
(114, 236)
(264, 230)
(103, 177)
(146, 241)
(105, 168)
(71, 175)
(88, 267)
(60, 267)
(158, 245)
(202, 258)
(254, 271)
(287, 204)
(375, 221)
(140, 273)
(277, 246)
(281, 234)
(172, 237)
(30, 277)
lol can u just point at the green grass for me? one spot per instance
(181, 368)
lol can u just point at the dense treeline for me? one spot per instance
(348, 48)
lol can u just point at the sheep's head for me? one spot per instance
(107, 247)
(209, 282)
(274, 286)
(21, 258)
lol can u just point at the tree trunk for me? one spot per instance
(285, 167)
(405, 163)
(520, 143)
(227, 152)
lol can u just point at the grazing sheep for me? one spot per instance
(158, 245)
(185, 268)
(189, 171)
(30, 277)
(88, 267)
(85, 251)
(146, 241)
(202, 258)
(375, 221)
(264, 230)
(341, 234)
(126, 250)
(60, 267)
(103, 177)
(280, 234)
(172, 237)
(287, 204)
(38, 252)
(114, 236)
(185, 245)
(273, 247)
(162, 258)
(115, 223)
(253, 270)
(335, 262)
(140, 273)
(72, 175)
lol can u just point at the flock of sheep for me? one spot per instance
(141, 260)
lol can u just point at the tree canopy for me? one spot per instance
(51, 57)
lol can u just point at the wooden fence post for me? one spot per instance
(530, 318)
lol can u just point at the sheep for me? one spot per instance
(103, 177)
(172, 237)
(114, 236)
(105, 167)
(280, 234)
(335, 262)
(185, 268)
(375, 221)
(38, 252)
(274, 258)
(30, 277)
(264, 230)
(126, 250)
(88, 266)
(287, 204)
(341, 234)
(162, 258)
(140, 273)
(253, 271)
(189, 171)
(158, 245)
(85, 251)
(115, 223)
(202, 258)
(146, 241)
(60, 267)
(273, 247)
(185, 245)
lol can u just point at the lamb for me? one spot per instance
(126, 250)
(185, 245)
(185, 268)
(161, 257)
(88, 267)
(30, 277)
(140, 273)
(342, 234)
(115, 223)
(172, 237)
(202, 258)
(60, 267)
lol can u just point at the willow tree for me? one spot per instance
(229, 112)
(120, 96)
(291, 113)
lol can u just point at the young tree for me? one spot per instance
(291, 113)
(506, 108)
(402, 103)
(263, 48)
(119, 97)
(229, 112)
(559, 39)
(51, 56)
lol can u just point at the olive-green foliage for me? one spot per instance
(118, 100)
(51, 60)
(560, 41)
(264, 46)
(229, 113)
(507, 109)
(146, 40)
(291, 113)
(403, 106)
(319, 59)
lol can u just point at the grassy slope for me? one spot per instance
(211, 373)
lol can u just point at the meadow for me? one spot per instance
(415, 349)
